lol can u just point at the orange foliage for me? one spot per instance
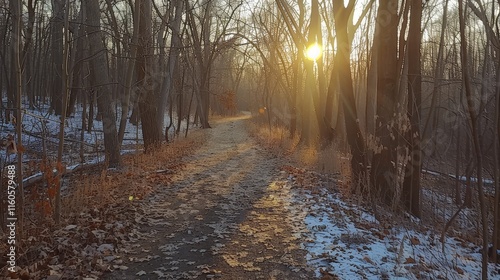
(21, 149)
(228, 101)
(61, 168)
(45, 197)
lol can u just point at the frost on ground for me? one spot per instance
(346, 241)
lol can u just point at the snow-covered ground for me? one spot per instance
(41, 129)
(347, 241)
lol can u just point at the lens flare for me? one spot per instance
(313, 52)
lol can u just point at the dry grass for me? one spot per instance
(94, 198)
(327, 160)
(100, 188)
(277, 139)
(330, 160)
(437, 191)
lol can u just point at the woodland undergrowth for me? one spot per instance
(333, 162)
(98, 208)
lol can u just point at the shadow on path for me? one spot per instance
(224, 216)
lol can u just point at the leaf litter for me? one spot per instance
(228, 213)
(223, 216)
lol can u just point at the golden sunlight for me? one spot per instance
(313, 52)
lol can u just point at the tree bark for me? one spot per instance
(319, 94)
(125, 99)
(100, 82)
(205, 67)
(371, 85)
(383, 175)
(78, 55)
(144, 67)
(57, 23)
(496, 165)
(438, 74)
(16, 58)
(27, 53)
(173, 57)
(343, 63)
(410, 195)
(473, 116)
(64, 94)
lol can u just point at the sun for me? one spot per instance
(313, 52)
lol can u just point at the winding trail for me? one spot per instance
(225, 216)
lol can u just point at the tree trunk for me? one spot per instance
(90, 97)
(496, 165)
(410, 195)
(331, 106)
(319, 94)
(180, 106)
(64, 94)
(57, 23)
(173, 57)
(4, 76)
(100, 83)
(125, 99)
(438, 75)
(78, 55)
(144, 67)
(343, 63)
(202, 49)
(371, 85)
(458, 182)
(475, 137)
(17, 81)
(383, 175)
(27, 54)
(468, 174)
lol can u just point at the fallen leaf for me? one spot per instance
(459, 270)
(326, 275)
(368, 260)
(415, 241)
(409, 260)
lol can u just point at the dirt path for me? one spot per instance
(224, 217)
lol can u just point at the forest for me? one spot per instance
(259, 139)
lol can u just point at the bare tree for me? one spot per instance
(383, 170)
(125, 98)
(208, 41)
(56, 33)
(15, 7)
(173, 57)
(101, 83)
(64, 94)
(146, 80)
(410, 195)
(315, 37)
(343, 62)
(475, 135)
